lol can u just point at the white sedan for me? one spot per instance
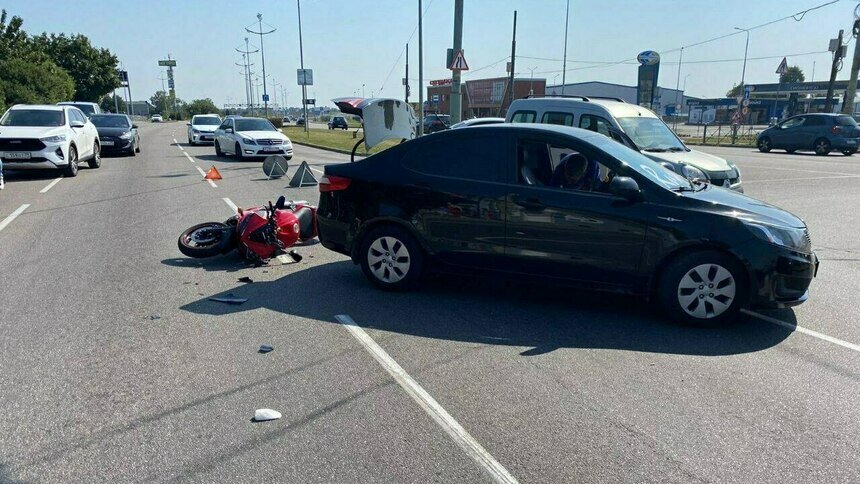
(251, 137)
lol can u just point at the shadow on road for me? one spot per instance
(540, 318)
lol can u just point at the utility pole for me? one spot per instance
(677, 85)
(263, 56)
(456, 109)
(834, 68)
(246, 56)
(302, 65)
(244, 66)
(164, 91)
(513, 64)
(420, 72)
(406, 86)
(130, 101)
(564, 60)
(848, 102)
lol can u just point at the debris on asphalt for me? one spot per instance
(295, 255)
(265, 349)
(229, 299)
(263, 414)
(246, 279)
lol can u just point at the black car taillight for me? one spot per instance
(836, 130)
(332, 183)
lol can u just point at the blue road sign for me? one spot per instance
(266, 97)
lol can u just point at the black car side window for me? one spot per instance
(475, 157)
(814, 121)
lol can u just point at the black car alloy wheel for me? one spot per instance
(390, 258)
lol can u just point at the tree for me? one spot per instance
(201, 106)
(93, 69)
(167, 105)
(26, 82)
(109, 104)
(792, 74)
(736, 90)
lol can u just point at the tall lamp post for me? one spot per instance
(263, 56)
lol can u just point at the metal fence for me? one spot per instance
(721, 134)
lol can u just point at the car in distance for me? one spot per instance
(500, 199)
(287, 119)
(477, 122)
(156, 118)
(251, 137)
(118, 134)
(647, 131)
(300, 121)
(87, 108)
(818, 132)
(338, 122)
(46, 136)
(436, 122)
(202, 127)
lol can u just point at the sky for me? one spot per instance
(358, 45)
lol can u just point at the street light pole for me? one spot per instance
(746, 49)
(302, 65)
(263, 56)
(564, 61)
(531, 79)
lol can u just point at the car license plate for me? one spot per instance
(17, 156)
(852, 141)
(107, 143)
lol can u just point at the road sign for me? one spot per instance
(508, 68)
(746, 102)
(311, 101)
(745, 111)
(459, 62)
(266, 97)
(404, 81)
(783, 67)
(648, 58)
(167, 63)
(305, 77)
(170, 84)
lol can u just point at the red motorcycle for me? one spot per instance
(259, 233)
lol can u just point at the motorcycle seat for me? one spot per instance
(305, 217)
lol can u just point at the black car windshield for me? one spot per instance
(206, 121)
(33, 117)
(110, 121)
(651, 134)
(254, 125)
(643, 165)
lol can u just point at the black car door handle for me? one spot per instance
(530, 204)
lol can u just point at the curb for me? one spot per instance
(324, 148)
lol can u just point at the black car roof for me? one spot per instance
(579, 133)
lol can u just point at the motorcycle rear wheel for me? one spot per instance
(205, 240)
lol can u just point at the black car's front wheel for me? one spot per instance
(391, 258)
(821, 147)
(764, 144)
(704, 288)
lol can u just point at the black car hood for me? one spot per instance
(733, 204)
(112, 131)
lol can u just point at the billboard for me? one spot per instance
(646, 85)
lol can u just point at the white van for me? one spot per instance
(650, 134)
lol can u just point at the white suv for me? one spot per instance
(202, 128)
(38, 137)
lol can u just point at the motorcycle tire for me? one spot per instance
(205, 240)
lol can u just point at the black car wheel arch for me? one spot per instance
(659, 269)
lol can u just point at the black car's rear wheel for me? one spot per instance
(764, 144)
(849, 151)
(391, 258)
(704, 288)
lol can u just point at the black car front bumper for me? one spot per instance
(116, 145)
(784, 280)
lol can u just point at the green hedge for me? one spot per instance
(277, 121)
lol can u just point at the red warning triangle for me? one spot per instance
(459, 62)
(212, 174)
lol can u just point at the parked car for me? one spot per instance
(117, 133)
(251, 137)
(46, 136)
(818, 132)
(87, 108)
(300, 121)
(156, 118)
(650, 134)
(287, 120)
(477, 122)
(436, 122)
(202, 127)
(338, 122)
(484, 200)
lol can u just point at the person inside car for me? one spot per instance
(576, 172)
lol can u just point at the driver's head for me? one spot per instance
(575, 166)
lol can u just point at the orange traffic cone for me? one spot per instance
(212, 174)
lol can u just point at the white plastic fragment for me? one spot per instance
(263, 414)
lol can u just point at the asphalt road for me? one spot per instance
(117, 368)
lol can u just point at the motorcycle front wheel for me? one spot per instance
(206, 240)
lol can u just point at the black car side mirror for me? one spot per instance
(133, 126)
(625, 187)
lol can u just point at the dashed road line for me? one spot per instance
(458, 434)
(807, 331)
(188, 156)
(212, 183)
(50, 185)
(12, 216)
(801, 179)
(230, 204)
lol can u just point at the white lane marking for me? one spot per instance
(12, 216)
(212, 183)
(50, 185)
(189, 157)
(230, 204)
(800, 179)
(318, 171)
(801, 329)
(457, 433)
(797, 169)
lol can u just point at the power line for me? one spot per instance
(397, 61)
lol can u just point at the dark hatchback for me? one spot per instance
(818, 132)
(117, 133)
(488, 199)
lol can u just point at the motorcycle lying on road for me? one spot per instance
(259, 233)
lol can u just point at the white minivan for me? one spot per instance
(650, 134)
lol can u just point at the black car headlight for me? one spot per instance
(789, 237)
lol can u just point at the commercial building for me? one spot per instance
(481, 97)
(666, 101)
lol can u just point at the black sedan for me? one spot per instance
(569, 206)
(117, 133)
